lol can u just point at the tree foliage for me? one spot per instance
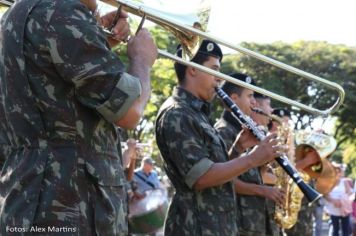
(333, 62)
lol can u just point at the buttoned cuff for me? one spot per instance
(197, 171)
(126, 91)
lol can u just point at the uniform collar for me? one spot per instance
(231, 119)
(197, 104)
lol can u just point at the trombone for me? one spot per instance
(191, 37)
(178, 29)
(6, 3)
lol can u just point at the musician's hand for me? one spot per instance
(138, 196)
(274, 194)
(131, 146)
(267, 150)
(121, 30)
(142, 49)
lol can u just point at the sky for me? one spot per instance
(277, 20)
(263, 21)
(285, 20)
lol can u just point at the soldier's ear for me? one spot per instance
(191, 71)
(234, 96)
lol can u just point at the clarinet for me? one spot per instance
(311, 194)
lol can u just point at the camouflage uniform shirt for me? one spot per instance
(189, 146)
(61, 89)
(253, 217)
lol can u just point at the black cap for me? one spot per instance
(207, 47)
(260, 96)
(245, 78)
(281, 112)
(230, 88)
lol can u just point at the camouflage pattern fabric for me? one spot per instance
(189, 146)
(228, 128)
(254, 213)
(60, 90)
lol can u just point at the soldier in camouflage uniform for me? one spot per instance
(194, 154)
(62, 91)
(253, 216)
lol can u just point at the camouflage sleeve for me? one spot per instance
(184, 138)
(79, 51)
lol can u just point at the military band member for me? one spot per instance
(252, 213)
(194, 154)
(62, 93)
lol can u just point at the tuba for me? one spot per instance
(322, 171)
(286, 215)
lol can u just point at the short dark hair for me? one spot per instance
(230, 88)
(180, 69)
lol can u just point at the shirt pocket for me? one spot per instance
(108, 196)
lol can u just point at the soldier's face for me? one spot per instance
(265, 106)
(245, 101)
(204, 84)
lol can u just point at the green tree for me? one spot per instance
(162, 80)
(332, 62)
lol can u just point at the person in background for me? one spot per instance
(129, 157)
(338, 203)
(145, 177)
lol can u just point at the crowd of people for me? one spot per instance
(63, 95)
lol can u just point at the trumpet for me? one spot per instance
(190, 38)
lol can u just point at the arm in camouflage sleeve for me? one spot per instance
(190, 154)
(142, 53)
(251, 189)
(96, 73)
(220, 173)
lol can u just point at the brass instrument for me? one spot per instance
(138, 145)
(141, 149)
(190, 37)
(310, 194)
(323, 171)
(286, 215)
(6, 3)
